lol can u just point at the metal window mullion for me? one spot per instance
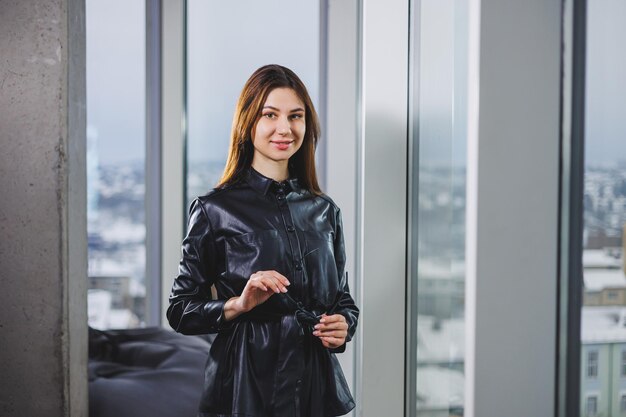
(571, 208)
(322, 146)
(153, 163)
(383, 205)
(410, 408)
(172, 200)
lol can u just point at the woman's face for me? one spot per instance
(279, 132)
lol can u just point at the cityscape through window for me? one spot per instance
(437, 235)
(115, 163)
(603, 327)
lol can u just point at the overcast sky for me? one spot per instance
(228, 40)
(606, 82)
(116, 77)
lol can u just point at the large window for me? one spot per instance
(115, 162)
(604, 309)
(437, 240)
(226, 42)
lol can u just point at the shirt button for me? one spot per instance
(291, 229)
(281, 197)
(298, 266)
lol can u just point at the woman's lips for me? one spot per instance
(282, 145)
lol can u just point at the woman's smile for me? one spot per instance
(282, 145)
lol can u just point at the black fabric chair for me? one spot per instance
(145, 372)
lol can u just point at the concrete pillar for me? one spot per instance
(43, 245)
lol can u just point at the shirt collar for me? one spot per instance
(263, 184)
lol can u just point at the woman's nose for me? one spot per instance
(283, 127)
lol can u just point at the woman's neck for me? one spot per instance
(276, 170)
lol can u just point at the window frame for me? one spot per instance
(153, 164)
(572, 169)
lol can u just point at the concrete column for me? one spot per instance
(172, 146)
(43, 249)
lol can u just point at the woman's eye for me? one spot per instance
(296, 116)
(269, 115)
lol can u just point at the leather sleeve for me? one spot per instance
(191, 309)
(345, 304)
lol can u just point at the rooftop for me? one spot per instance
(603, 325)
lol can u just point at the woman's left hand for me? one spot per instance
(332, 330)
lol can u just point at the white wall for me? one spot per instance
(512, 207)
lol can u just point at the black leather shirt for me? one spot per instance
(265, 363)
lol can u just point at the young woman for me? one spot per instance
(271, 244)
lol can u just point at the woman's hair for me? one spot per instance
(248, 112)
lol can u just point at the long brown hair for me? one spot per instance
(248, 112)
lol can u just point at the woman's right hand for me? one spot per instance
(259, 288)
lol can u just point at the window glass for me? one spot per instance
(592, 364)
(439, 139)
(115, 162)
(226, 42)
(603, 326)
(592, 406)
